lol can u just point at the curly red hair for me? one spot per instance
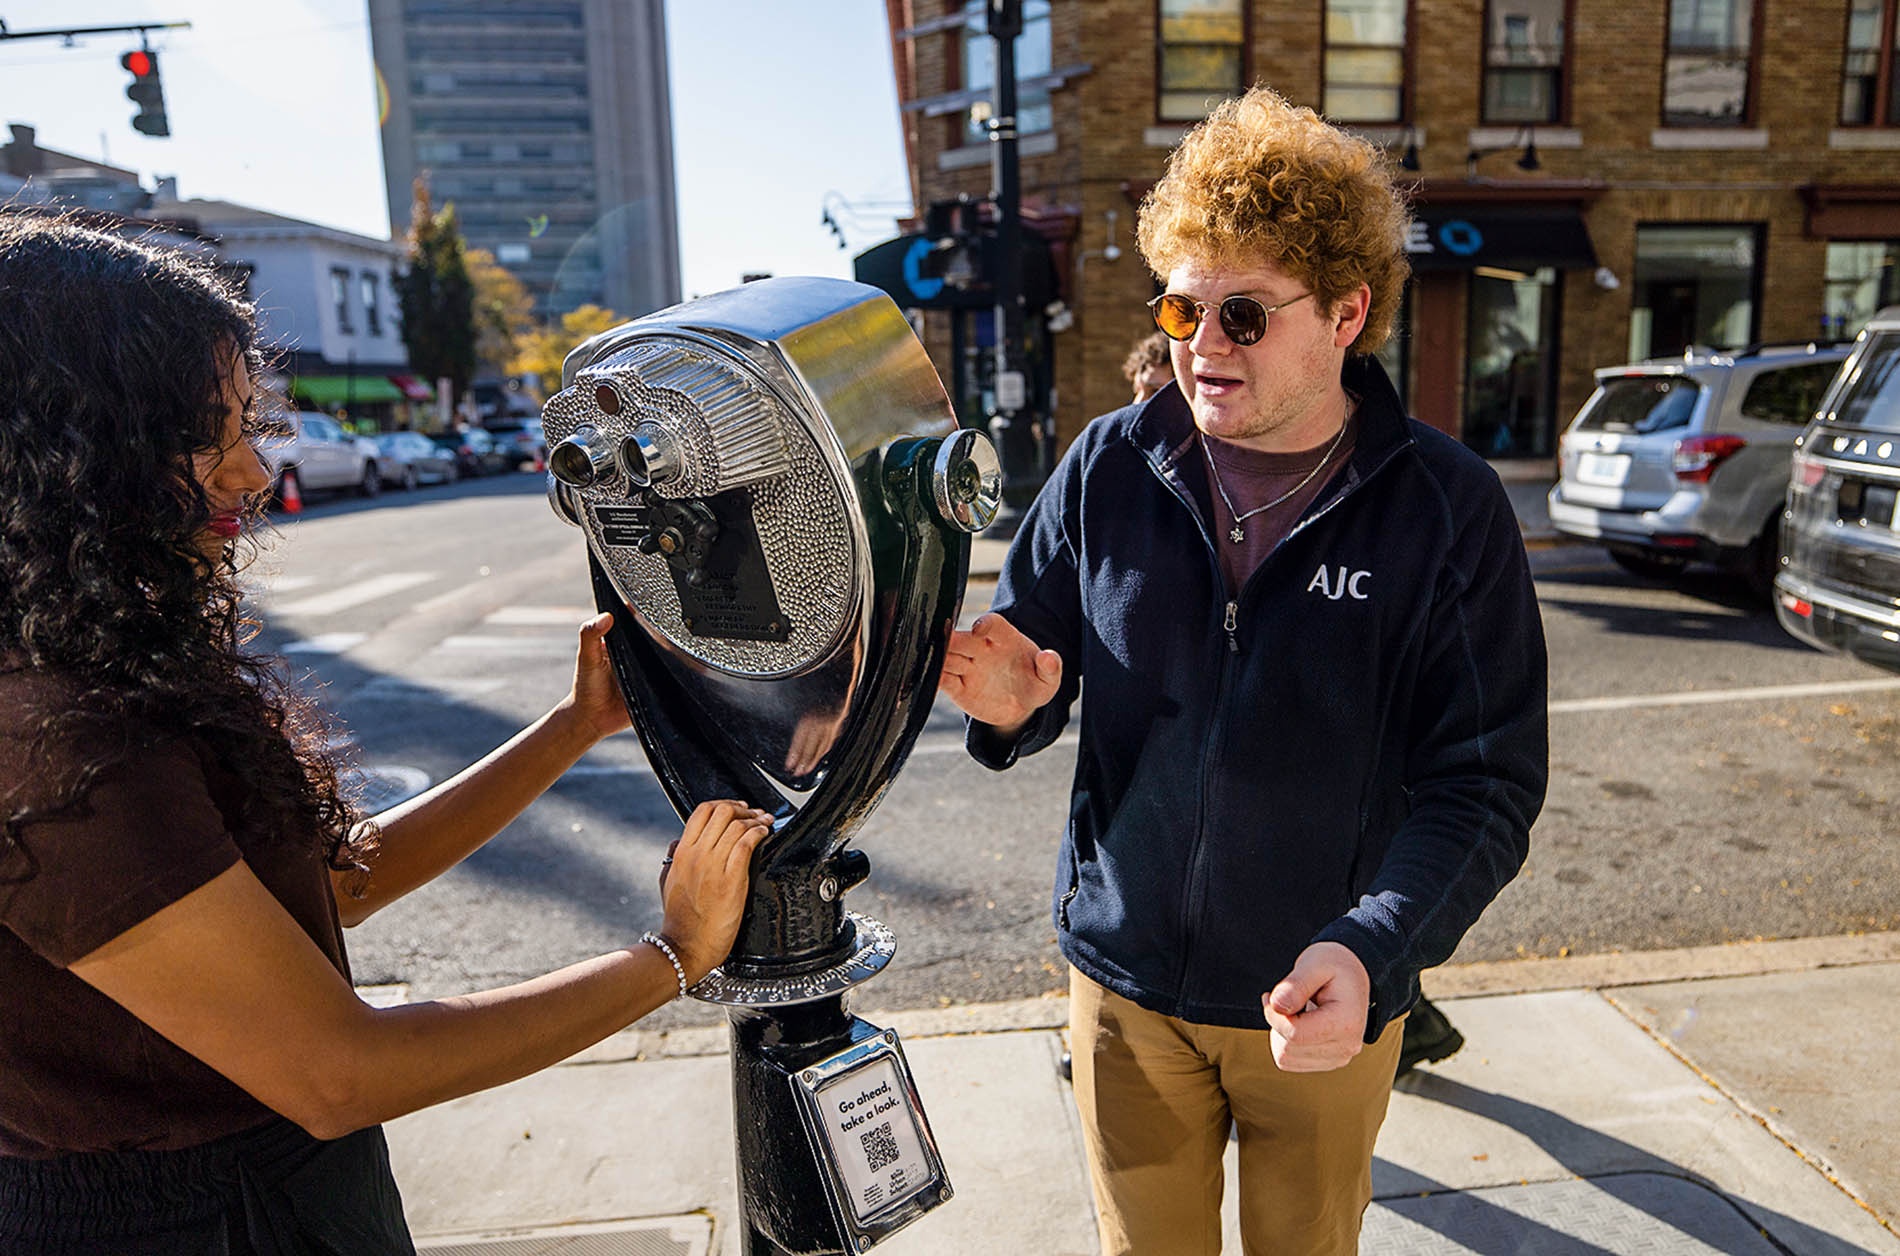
(1262, 180)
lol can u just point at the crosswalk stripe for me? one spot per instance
(324, 643)
(541, 616)
(355, 594)
(509, 645)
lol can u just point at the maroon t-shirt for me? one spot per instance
(1252, 479)
(77, 1071)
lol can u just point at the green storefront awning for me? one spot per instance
(325, 391)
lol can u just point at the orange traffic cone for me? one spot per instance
(289, 496)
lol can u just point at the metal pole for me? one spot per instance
(1012, 420)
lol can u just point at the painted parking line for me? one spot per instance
(355, 594)
(1704, 697)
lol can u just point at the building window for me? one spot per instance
(1524, 61)
(1034, 60)
(1365, 60)
(372, 304)
(1862, 277)
(1202, 62)
(1706, 68)
(1867, 95)
(340, 297)
(1695, 285)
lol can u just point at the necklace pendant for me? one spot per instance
(1237, 535)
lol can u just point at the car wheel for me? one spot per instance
(1764, 560)
(1647, 565)
(372, 481)
(409, 480)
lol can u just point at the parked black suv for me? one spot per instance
(1839, 585)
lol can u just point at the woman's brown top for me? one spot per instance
(77, 1071)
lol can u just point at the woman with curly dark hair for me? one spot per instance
(184, 1064)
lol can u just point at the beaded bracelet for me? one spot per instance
(666, 949)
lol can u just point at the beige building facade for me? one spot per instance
(1593, 181)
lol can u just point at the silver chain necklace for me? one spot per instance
(1238, 533)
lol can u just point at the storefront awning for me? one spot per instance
(413, 388)
(325, 391)
(1504, 237)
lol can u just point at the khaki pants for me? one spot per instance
(1157, 1098)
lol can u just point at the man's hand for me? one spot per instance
(997, 675)
(1318, 1011)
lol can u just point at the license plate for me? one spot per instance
(1610, 470)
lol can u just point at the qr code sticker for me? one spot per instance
(880, 1147)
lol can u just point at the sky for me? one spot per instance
(781, 108)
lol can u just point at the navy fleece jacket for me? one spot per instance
(1353, 749)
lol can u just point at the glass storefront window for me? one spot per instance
(1694, 286)
(1510, 345)
(1862, 276)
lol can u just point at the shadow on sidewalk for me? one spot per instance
(1621, 1170)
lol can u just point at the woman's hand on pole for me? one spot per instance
(705, 879)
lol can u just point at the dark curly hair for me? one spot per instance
(115, 356)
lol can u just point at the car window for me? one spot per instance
(1791, 394)
(1872, 394)
(319, 428)
(1640, 404)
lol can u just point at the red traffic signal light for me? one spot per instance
(147, 92)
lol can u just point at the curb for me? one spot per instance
(1486, 979)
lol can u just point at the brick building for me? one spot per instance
(1596, 180)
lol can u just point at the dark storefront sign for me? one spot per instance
(896, 266)
(1461, 237)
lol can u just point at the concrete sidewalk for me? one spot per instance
(1733, 1100)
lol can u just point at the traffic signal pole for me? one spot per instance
(142, 64)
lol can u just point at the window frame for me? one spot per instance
(1751, 85)
(955, 78)
(1246, 62)
(1882, 108)
(1408, 68)
(340, 298)
(369, 289)
(1562, 94)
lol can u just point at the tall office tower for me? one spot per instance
(547, 123)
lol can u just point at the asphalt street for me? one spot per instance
(1712, 780)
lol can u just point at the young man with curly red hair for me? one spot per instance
(1313, 740)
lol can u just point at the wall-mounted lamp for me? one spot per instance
(1526, 161)
(1410, 160)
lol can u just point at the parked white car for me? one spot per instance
(321, 457)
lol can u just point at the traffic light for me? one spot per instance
(146, 92)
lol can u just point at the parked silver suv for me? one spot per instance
(1840, 587)
(1686, 459)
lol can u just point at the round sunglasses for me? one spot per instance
(1242, 319)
